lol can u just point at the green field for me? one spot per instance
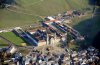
(3, 43)
(11, 37)
(27, 12)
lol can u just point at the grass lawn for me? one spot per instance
(11, 19)
(77, 4)
(12, 37)
(43, 7)
(3, 43)
(28, 11)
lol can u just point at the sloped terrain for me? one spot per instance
(26, 12)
